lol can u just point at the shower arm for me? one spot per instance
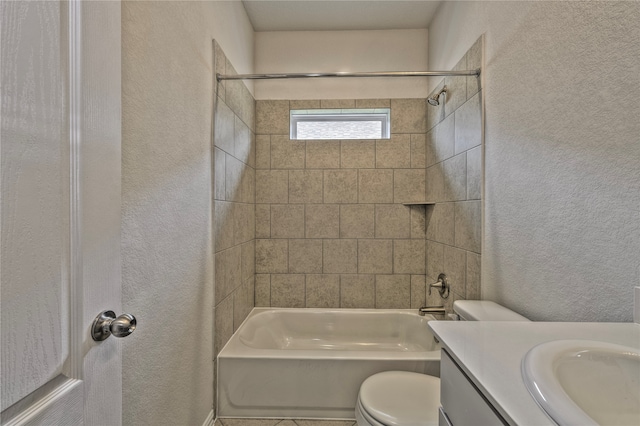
(475, 73)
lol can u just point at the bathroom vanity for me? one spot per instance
(481, 368)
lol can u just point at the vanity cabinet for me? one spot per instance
(461, 402)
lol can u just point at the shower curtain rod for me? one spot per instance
(475, 72)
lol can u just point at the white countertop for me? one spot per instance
(490, 353)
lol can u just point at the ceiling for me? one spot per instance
(336, 15)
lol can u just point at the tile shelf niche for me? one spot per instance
(420, 203)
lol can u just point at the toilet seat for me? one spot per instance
(399, 398)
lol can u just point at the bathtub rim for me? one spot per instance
(234, 348)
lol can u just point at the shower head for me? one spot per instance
(434, 99)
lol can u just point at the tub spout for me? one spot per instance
(433, 310)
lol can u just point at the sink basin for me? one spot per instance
(584, 382)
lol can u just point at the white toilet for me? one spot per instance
(401, 398)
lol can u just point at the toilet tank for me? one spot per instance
(484, 310)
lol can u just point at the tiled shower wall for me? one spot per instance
(234, 202)
(331, 230)
(454, 183)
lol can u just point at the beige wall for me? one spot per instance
(562, 151)
(167, 193)
(344, 51)
(330, 227)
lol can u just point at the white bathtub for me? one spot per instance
(309, 363)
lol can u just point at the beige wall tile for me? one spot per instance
(340, 256)
(409, 185)
(409, 257)
(220, 67)
(375, 186)
(375, 256)
(474, 173)
(272, 186)
(244, 223)
(219, 191)
(272, 256)
(305, 256)
(473, 276)
(456, 89)
(223, 135)
(418, 291)
(418, 224)
(441, 141)
(468, 225)
(263, 152)
(263, 221)
(323, 291)
(322, 221)
(337, 103)
(240, 100)
(393, 291)
(468, 124)
(305, 186)
(242, 302)
(392, 221)
(248, 261)
(435, 114)
(408, 115)
(455, 266)
(357, 291)
(474, 61)
(248, 184)
(228, 274)
(286, 153)
(394, 153)
(440, 223)
(223, 225)
(435, 260)
(358, 154)
(357, 221)
(455, 178)
(323, 155)
(243, 143)
(435, 183)
(305, 104)
(340, 186)
(272, 117)
(419, 151)
(373, 103)
(223, 317)
(233, 172)
(287, 221)
(287, 290)
(263, 290)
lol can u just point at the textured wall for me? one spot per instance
(167, 194)
(330, 227)
(234, 195)
(454, 183)
(562, 190)
(349, 51)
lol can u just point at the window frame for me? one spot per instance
(383, 117)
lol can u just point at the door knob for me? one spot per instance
(107, 324)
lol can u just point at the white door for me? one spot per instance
(60, 211)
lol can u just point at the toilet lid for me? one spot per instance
(401, 398)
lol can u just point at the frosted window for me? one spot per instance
(340, 124)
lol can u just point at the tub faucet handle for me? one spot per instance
(442, 285)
